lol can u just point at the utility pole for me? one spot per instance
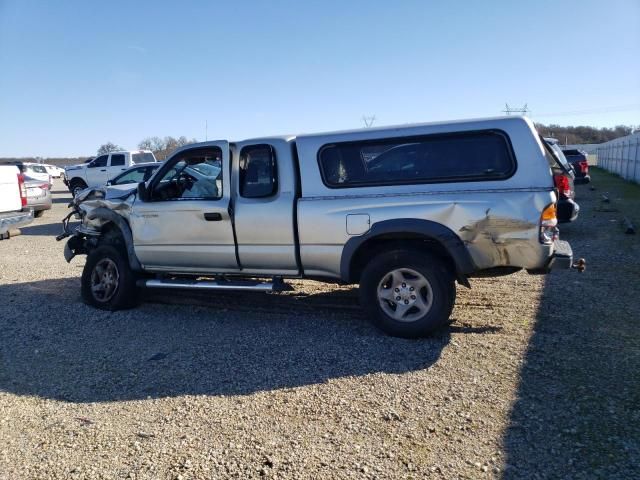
(368, 120)
(521, 110)
(206, 130)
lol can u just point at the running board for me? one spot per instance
(275, 286)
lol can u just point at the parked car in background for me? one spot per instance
(579, 161)
(102, 168)
(38, 196)
(403, 211)
(54, 171)
(13, 200)
(134, 175)
(563, 179)
(33, 171)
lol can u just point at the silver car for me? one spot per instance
(38, 196)
(405, 212)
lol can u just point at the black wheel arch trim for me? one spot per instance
(106, 214)
(451, 242)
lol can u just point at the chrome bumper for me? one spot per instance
(562, 257)
(14, 220)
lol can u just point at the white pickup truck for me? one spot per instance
(13, 199)
(103, 168)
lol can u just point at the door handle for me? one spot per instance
(212, 217)
(103, 170)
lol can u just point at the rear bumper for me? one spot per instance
(38, 204)
(582, 180)
(568, 210)
(562, 257)
(14, 220)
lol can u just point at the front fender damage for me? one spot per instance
(96, 208)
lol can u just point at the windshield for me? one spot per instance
(143, 157)
(38, 168)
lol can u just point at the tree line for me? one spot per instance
(583, 134)
(161, 147)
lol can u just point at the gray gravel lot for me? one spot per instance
(524, 383)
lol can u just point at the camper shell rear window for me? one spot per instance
(456, 157)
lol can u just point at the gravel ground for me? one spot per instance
(536, 377)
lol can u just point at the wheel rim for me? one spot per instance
(104, 280)
(405, 295)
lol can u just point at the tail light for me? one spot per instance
(584, 166)
(23, 190)
(548, 225)
(562, 184)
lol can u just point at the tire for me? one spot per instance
(108, 283)
(421, 281)
(38, 213)
(76, 186)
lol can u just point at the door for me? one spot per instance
(117, 165)
(264, 205)
(184, 224)
(97, 171)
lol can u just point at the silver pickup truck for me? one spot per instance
(404, 212)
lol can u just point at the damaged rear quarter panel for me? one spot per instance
(499, 227)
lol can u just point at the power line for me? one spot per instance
(519, 110)
(368, 120)
(620, 108)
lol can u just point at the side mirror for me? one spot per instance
(109, 183)
(143, 193)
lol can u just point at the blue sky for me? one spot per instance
(76, 74)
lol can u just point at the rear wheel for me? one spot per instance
(108, 283)
(407, 293)
(38, 213)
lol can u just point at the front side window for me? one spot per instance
(194, 174)
(117, 160)
(426, 159)
(258, 172)
(100, 161)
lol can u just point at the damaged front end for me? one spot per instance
(95, 208)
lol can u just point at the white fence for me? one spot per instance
(621, 156)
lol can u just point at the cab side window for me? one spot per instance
(117, 160)
(258, 171)
(101, 161)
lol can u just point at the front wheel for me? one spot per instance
(76, 186)
(108, 283)
(407, 293)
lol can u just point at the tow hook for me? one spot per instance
(580, 265)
